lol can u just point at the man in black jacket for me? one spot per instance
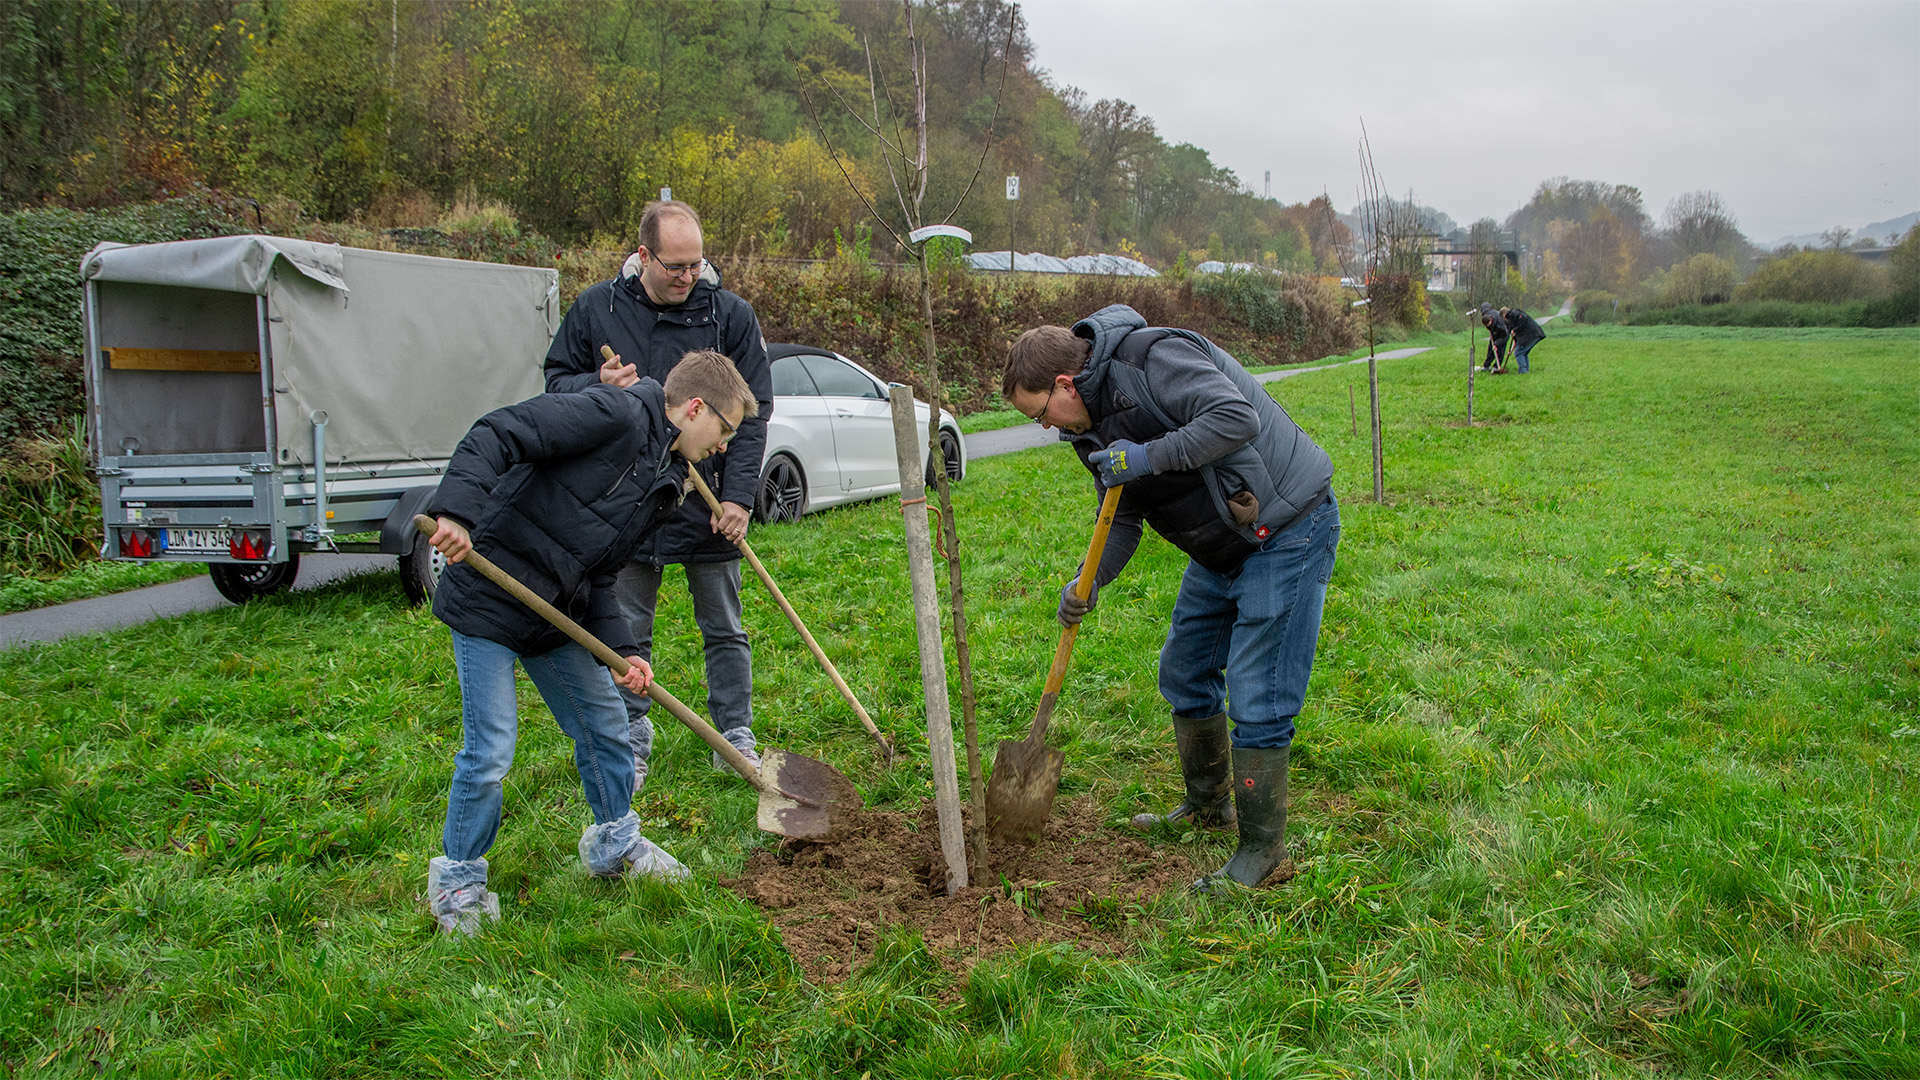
(667, 302)
(1220, 470)
(557, 491)
(1526, 334)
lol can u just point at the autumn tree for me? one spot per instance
(1699, 223)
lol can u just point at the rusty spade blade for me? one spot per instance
(800, 797)
(1026, 772)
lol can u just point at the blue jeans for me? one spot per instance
(715, 587)
(584, 701)
(1245, 640)
(1520, 356)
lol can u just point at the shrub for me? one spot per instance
(872, 313)
(1821, 277)
(1703, 279)
(1595, 306)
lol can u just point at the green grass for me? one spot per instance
(18, 592)
(1608, 768)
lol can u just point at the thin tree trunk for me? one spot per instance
(950, 531)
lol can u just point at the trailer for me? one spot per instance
(254, 398)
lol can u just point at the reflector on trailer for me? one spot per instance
(248, 545)
(136, 544)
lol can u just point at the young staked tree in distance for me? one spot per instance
(1394, 246)
(900, 134)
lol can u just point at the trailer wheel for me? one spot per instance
(420, 571)
(241, 582)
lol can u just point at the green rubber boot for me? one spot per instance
(1206, 763)
(1260, 795)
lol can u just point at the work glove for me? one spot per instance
(1120, 462)
(1072, 608)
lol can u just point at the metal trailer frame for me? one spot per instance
(294, 498)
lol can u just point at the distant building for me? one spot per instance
(1450, 258)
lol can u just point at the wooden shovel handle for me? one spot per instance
(614, 661)
(1082, 588)
(794, 618)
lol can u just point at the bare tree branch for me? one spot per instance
(999, 95)
(876, 86)
(835, 155)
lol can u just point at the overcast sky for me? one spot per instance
(1802, 116)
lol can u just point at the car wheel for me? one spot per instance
(949, 449)
(420, 572)
(783, 491)
(241, 582)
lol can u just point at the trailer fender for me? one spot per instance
(397, 534)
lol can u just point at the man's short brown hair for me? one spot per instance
(650, 221)
(1040, 354)
(711, 377)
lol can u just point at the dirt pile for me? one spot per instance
(832, 901)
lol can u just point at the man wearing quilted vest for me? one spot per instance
(1224, 474)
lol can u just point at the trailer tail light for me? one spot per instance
(137, 544)
(248, 544)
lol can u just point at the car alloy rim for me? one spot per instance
(783, 492)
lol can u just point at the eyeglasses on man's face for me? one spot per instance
(692, 269)
(1038, 415)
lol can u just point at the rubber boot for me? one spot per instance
(1260, 795)
(1206, 763)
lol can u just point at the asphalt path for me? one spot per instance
(102, 613)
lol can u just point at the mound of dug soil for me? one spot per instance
(832, 901)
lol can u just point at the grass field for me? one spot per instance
(1608, 769)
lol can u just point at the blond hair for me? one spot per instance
(711, 377)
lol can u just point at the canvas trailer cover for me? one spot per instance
(252, 397)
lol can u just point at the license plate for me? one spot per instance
(213, 541)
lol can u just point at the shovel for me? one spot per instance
(886, 747)
(1026, 772)
(800, 797)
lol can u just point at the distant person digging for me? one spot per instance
(1223, 473)
(1497, 337)
(557, 491)
(1526, 333)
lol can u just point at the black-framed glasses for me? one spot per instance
(724, 423)
(1042, 411)
(692, 269)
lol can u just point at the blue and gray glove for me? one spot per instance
(1072, 608)
(1120, 462)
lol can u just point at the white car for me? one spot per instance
(830, 439)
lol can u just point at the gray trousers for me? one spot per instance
(715, 587)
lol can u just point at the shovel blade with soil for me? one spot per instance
(1026, 772)
(800, 798)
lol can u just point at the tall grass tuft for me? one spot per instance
(52, 524)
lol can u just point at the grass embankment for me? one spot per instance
(1608, 767)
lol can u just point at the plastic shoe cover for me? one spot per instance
(747, 751)
(604, 845)
(458, 897)
(648, 859)
(639, 773)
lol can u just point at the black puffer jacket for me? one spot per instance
(1526, 332)
(653, 339)
(557, 491)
